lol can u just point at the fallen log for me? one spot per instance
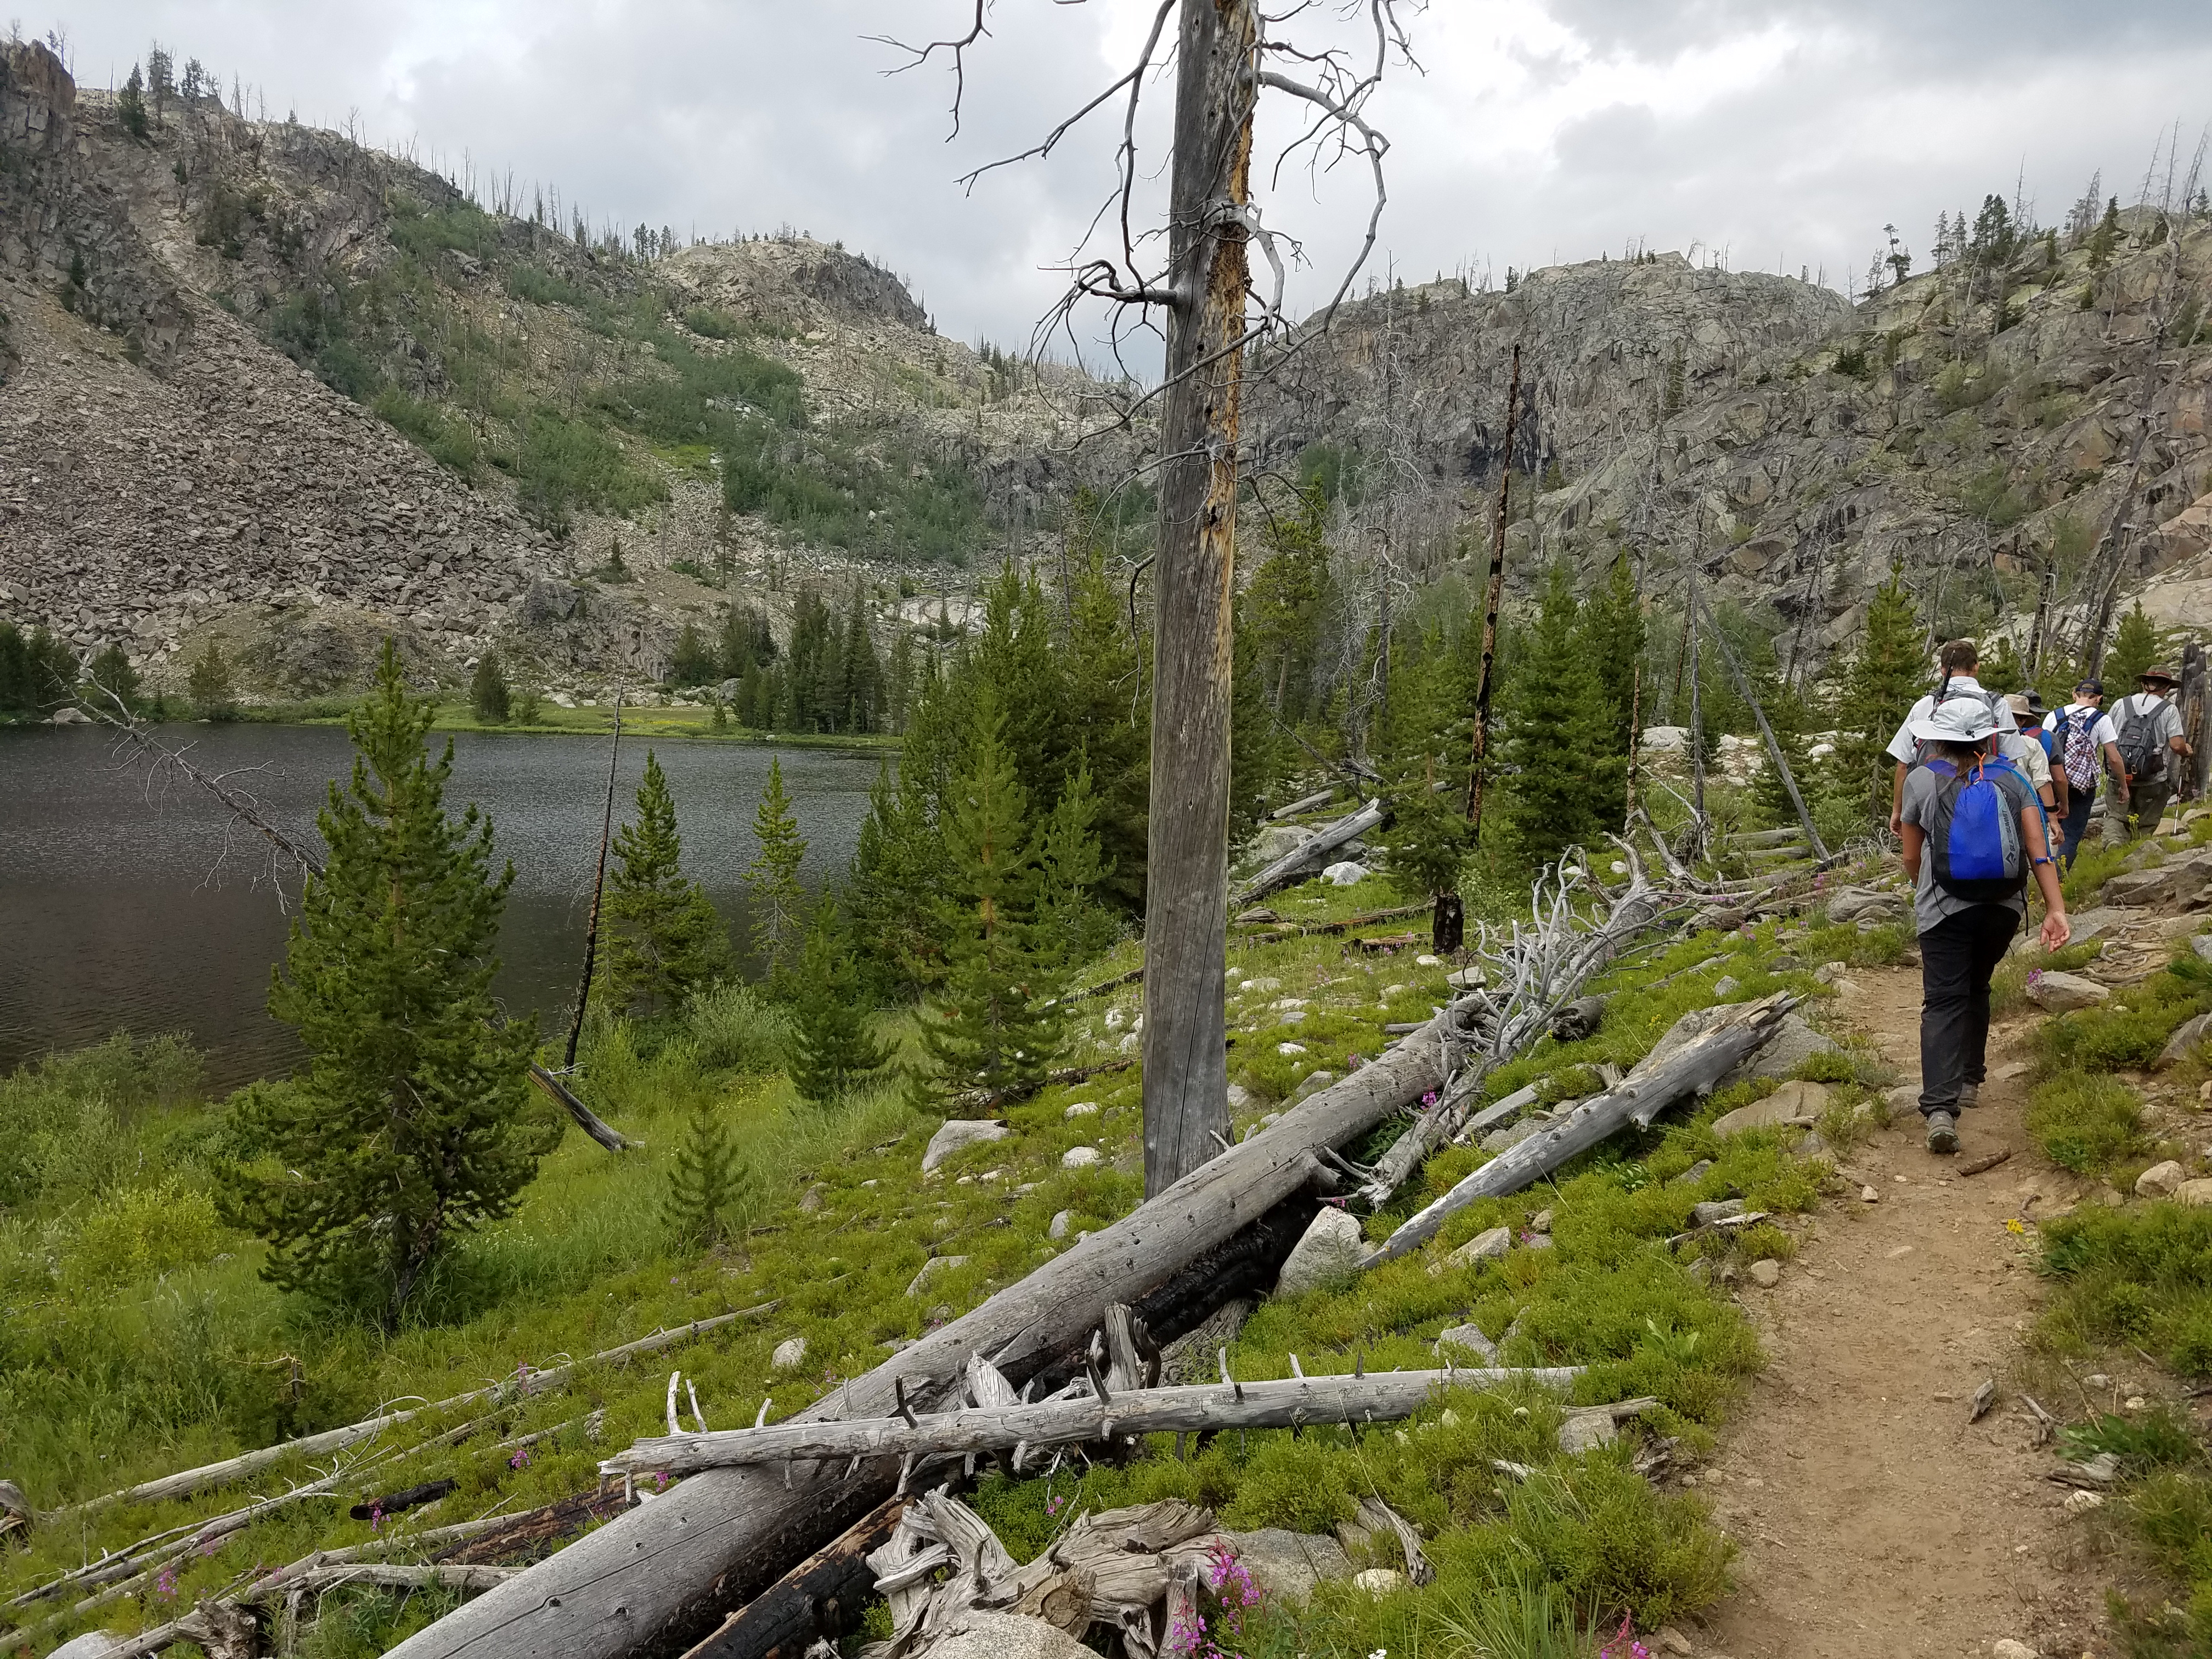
(1325, 840)
(1308, 805)
(656, 1576)
(386, 1575)
(1100, 1414)
(817, 1601)
(586, 1120)
(1688, 1070)
(984, 1099)
(526, 1381)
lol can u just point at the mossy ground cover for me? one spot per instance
(136, 1337)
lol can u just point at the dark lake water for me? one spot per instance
(122, 906)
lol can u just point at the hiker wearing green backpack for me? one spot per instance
(2148, 729)
(1972, 830)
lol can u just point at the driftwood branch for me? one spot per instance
(1688, 1070)
(1287, 1402)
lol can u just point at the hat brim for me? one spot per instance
(1933, 731)
(2158, 679)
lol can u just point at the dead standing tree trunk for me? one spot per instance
(1194, 584)
(1494, 592)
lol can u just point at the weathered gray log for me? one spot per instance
(1292, 864)
(1320, 798)
(651, 1577)
(386, 1575)
(186, 1482)
(819, 1599)
(1378, 1396)
(1690, 1070)
(1788, 833)
(586, 1120)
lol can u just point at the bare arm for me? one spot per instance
(1914, 838)
(2056, 930)
(2118, 767)
(1897, 825)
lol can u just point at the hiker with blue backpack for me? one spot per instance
(2148, 729)
(1973, 837)
(2084, 742)
(1958, 660)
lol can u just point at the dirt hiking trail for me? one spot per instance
(1874, 1520)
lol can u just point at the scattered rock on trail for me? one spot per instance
(1716, 1211)
(2161, 1180)
(1289, 1564)
(2007, 1648)
(1671, 1641)
(1796, 1101)
(2097, 923)
(930, 1268)
(2168, 883)
(1061, 1223)
(2056, 993)
(2186, 1036)
(1726, 985)
(957, 1132)
(1765, 1273)
(1333, 1248)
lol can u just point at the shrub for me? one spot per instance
(2082, 1122)
(2135, 1275)
(735, 1027)
(141, 1231)
(452, 443)
(567, 463)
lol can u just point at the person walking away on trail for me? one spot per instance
(1973, 837)
(2149, 728)
(1957, 662)
(2025, 750)
(2083, 741)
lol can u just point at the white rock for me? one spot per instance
(1666, 737)
(2006, 1648)
(932, 1268)
(2058, 992)
(93, 1644)
(957, 1133)
(1078, 1157)
(1060, 1224)
(2161, 1180)
(1724, 986)
(1081, 1109)
(789, 1355)
(1115, 1019)
(1239, 1097)
(1389, 991)
(2077, 1502)
(1287, 1049)
(1346, 874)
(1006, 1636)
(1332, 1249)
(2197, 1194)
(1379, 1582)
(1470, 1338)
(1483, 1247)
(1466, 979)
(1765, 1274)
(1426, 960)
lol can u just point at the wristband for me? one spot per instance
(2032, 863)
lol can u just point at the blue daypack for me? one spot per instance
(1972, 829)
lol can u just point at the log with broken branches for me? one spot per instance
(1313, 853)
(1100, 1413)
(663, 1573)
(1682, 1074)
(526, 1381)
(1535, 970)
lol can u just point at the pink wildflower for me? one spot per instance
(521, 1458)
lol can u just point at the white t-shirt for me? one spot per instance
(1903, 745)
(2102, 732)
(2027, 756)
(2165, 719)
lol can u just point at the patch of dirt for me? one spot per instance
(1874, 1520)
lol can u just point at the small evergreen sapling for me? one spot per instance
(712, 1188)
(410, 1125)
(777, 900)
(209, 684)
(664, 938)
(112, 678)
(830, 1051)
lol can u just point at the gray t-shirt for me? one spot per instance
(2148, 708)
(1930, 904)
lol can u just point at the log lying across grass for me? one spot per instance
(1680, 1074)
(662, 1574)
(1293, 864)
(1281, 1403)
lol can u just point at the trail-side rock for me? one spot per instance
(1007, 1635)
(956, 1134)
(1796, 1101)
(1332, 1249)
(1765, 1273)
(1793, 1044)
(1289, 1564)
(1862, 903)
(1078, 1157)
(1470, 1338)
(2186, 1035)
(2167, 883)
(1061, 1223)
(2057, 991)
(2197, 1194)
(1347, 874)
(2161, 1180)
(790, 1354)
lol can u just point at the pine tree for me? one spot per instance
(2106, 236)
(693, 660)
(488, 697)
(208, 685)
(1108, 723)
(664, 939)
(1885, 679)
(897, 888)
(829, 1052)
(130, 105)
(771, 889)
(408, 1128)
(2002, 669)
(1553, 727)
(1425, 745)
(110, 676)
(2135, 647)
(1068, 918)
(1610, 633)
(989, 1023)
(1286, 606)
(712, 1188)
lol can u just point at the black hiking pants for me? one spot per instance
(1957, 957)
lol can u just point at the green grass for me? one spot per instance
(2131, 1029)
(2085, 1123)
(2142, 1275)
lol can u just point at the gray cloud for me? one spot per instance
(1782, 131)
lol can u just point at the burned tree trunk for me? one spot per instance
(1187, 874)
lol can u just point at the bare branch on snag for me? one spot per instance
(917, 56)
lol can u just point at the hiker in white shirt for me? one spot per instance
(2147, 727)
(2025, 753)
(1958, 660)
(2082, 738)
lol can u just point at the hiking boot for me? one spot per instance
(1942, 1132)
(1970, 1094)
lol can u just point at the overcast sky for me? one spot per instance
(1786, 132)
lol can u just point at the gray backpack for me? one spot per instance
(2142, 750)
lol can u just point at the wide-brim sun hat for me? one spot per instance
(1959, 720)
(2159, 671)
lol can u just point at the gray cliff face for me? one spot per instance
(1979, 428)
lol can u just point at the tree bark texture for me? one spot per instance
(659, 1575)
(818, 1600)
(1194, 585)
